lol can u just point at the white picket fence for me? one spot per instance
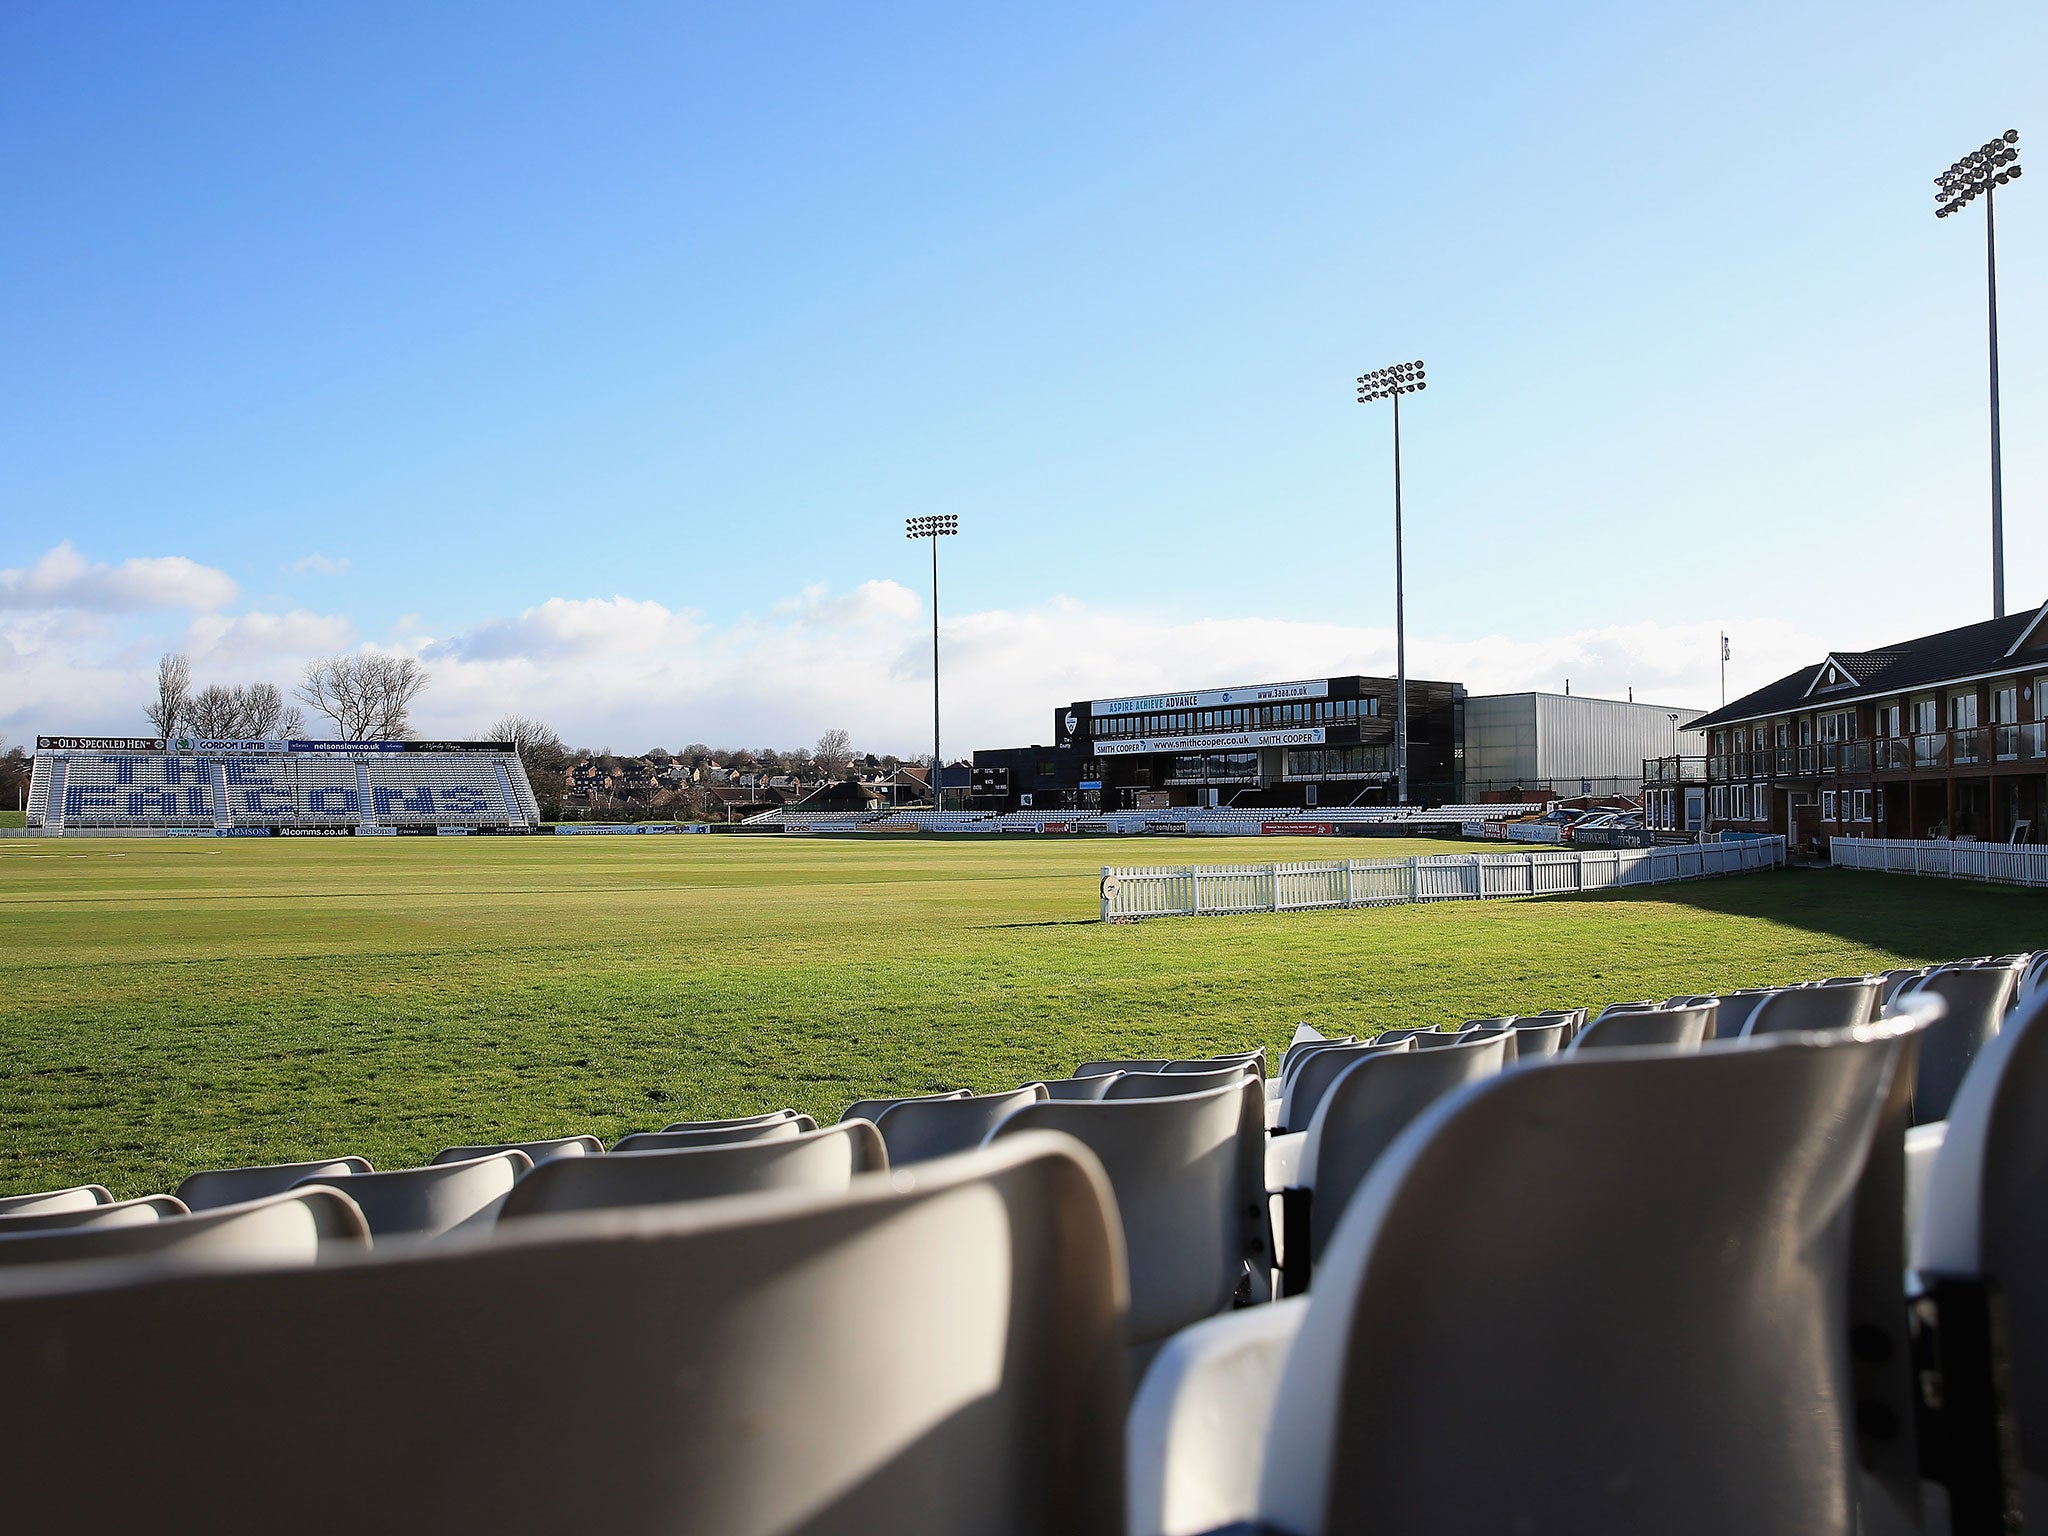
(1191, 890)
(2022, 865)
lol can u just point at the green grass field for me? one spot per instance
(183, 1004)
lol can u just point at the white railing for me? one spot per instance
(2025, 864)
(1190, 890)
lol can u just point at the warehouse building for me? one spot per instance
(1545, 745)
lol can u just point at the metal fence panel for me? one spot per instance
(1216, 889)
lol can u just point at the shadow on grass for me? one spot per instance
(1922, 918)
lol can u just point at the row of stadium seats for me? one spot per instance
(137, 790)
(1664, 1246)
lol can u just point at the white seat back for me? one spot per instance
(1188, 1176)
(933, 1352)
(295, 1227)
(822, 1160)
(426, 1202)
(1665, 1326)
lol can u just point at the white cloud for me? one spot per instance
(63, 579)
(217, 641)
(632, 672)
(317, 564)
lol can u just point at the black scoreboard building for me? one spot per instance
(1325, 741)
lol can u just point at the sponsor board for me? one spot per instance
(1217, 741)
(1534, 832)
(316, 831)
(1259, 693)
(99, 743)
(376, 831)
(1054, 826)
(190, 744)
(622, 829)
(451, 831)
(1298, 828)
(344, 746)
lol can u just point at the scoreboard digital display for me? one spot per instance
(989, 781)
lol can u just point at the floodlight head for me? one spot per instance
(2011, 136)
(931, 527)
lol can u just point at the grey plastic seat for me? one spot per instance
(1976, 998)
(1491, 1029)
(1573, 1019)
(936, 1352)
(1981, 1236)
(1301, 1055)
(1435, 1039)
(1735, 1009)
(539, 1151)
(78, 1197)
(298, 1226)
(819, 1160)
(872, 1110)
(764, 1118)
(934, 1128)
(1082, 1090)
(1396, 1036)
(215, 1187)
(1253, 1062)
(1536, 1040)
(2031, 977)
(1896, 982)
(1189, 1178)
(1307, 1043)
(1370, 1104)
(115, 1213)
(1305, 1091)
(1680, 1028)
(1832, 1005)
(716, 1136)
(426, 1202)
(1098, 1068)
(1162, 1085)
(1691, 1270)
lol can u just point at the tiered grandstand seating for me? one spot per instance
(129, 790)
(141, 791)
(1678, 1274)
(941, 821)
(811, 821)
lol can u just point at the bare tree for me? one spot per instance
(541, 754)
(255, 712)
(835, 748)
(367, 698)
(173, 683)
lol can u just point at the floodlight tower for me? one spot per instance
(933, 528)
(1989, 166)
(1392, 383)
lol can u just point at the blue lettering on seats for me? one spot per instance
(242, 772)
(420, 801)
(164, 802)
(317, 800)
(87, 798)
(463, 800)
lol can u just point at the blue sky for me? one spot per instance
(596, 353)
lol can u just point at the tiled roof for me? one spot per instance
(1907, 664)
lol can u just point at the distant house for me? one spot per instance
(845, 795)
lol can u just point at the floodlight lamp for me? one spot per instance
(2016, 172)
(2011, 136)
